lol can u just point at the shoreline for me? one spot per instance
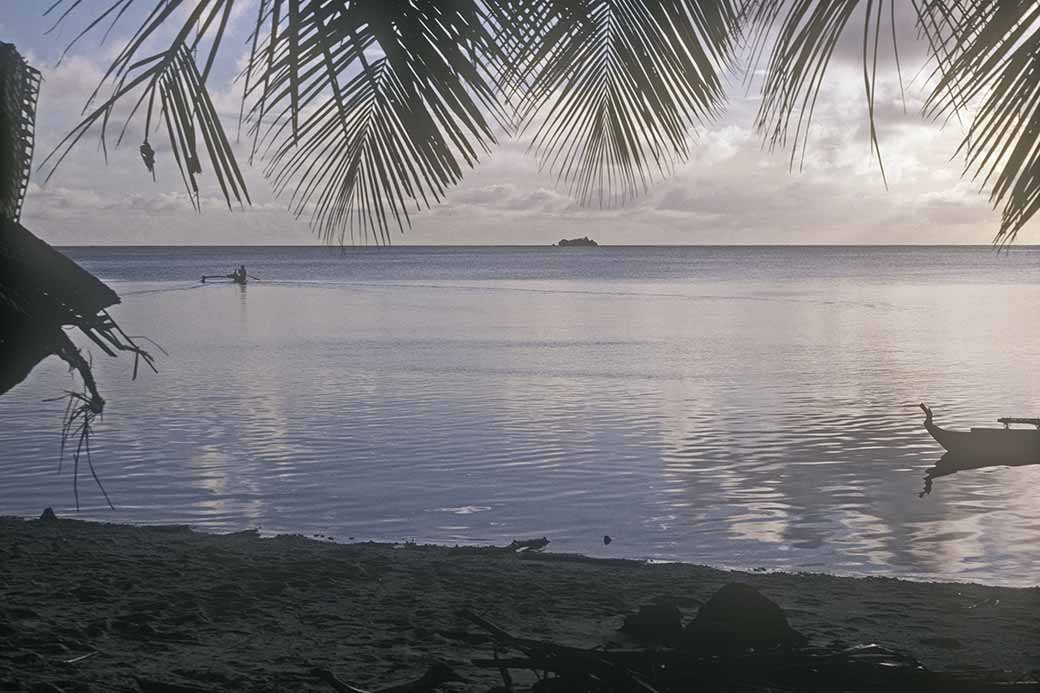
(548, 555)
(245, 611)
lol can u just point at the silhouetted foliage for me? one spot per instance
(42, 291)
(365, 109)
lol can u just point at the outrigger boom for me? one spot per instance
(1008, 420)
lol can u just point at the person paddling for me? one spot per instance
(238, 276)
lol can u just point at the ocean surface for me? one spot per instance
(743, 407)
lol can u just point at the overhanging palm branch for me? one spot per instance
(372, 108)
(993, 57)
(362, 108)
(986, 57)
(615, 87)
(167, 84)
(806, 35)
(365, 109)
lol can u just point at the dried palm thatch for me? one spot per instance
(18, 89)
(41, 291)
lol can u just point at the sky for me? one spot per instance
(732, 190)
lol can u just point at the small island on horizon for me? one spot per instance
(583, 241)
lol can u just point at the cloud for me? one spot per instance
(958, 206)
(721, 144)
(509, 198)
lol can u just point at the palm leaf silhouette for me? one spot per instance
(992, 56)
(170, 82)
(615, 86)
(360, 109)
(986, 56)
(376, 108)
(366, 109)
(808, 32)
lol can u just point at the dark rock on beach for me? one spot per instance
(739, 617)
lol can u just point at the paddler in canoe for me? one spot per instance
(239, 276)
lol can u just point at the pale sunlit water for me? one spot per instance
(731, 406)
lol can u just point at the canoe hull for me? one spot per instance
(1012, 446)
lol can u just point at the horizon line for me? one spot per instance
(542, 245)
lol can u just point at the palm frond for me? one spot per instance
(365, 110)
(170, 82)
(805, 34)
(993, 60)
(613, 87)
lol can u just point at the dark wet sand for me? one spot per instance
(241, 612)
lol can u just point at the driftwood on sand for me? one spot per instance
(740, 641)
(524, 545)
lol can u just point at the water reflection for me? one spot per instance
(760, 417)
(951, 463)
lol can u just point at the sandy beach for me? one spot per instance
(480, 271)
(90, 606)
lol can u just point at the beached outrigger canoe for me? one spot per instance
(1005, 445)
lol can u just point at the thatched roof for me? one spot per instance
(41, 290)
(42, 281)
(19, 85)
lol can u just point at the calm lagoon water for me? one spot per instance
(744, 407)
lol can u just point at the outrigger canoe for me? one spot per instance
(1012, 446)
(234, 279)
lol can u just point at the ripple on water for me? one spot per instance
(761, 417)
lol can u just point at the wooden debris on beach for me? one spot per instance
(740, 641)
(524, 545)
